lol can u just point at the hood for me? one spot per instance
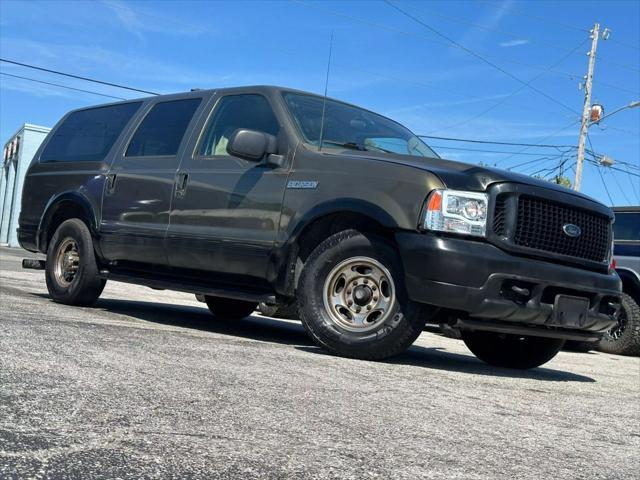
(464, 176)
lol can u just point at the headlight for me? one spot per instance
(457, 211)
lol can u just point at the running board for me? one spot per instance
(197, 289)
(534, 331)
(34, 264)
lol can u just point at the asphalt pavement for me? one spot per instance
(147, 384)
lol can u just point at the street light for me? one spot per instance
(597, 110)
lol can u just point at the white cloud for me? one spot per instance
(131, 20)
(514, 43)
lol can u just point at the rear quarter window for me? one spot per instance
(88, 135)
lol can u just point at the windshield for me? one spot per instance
(346, 126)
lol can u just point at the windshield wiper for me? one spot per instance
(375, 147)
(357, 146)
(350, 145)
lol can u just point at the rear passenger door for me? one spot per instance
(226, 210)
(138, 191)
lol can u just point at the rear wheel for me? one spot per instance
(624, 338)
(352, 299)
(228, 308)
(511, 351)
(71, 271)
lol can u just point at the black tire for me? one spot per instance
(229, 309)
(85, 286)
(288, 311)
(398, 328)
(511, 351)
(624, 339)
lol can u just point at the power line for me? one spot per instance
(496, 143)
(572, 76)
(61, 86)
(545, 20)
(598, 169)
(598, 166)
(478, 56)
(628, 45)
(444, 147)
(515, 92)
(604, 184)
(529, 162)
(541, 140)
(87, 79)
(624, 194)
(518, 36)
(636, 193)
(373, 24)
(562, 158)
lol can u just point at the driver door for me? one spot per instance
(226, 210)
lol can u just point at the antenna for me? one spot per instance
(324, 101)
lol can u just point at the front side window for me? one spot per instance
(233, 112)
(88, 135)
(161, 131)
(346, 126)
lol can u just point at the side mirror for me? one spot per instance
(251, 144)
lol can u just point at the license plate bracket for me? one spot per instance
(570, 311)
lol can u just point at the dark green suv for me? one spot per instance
(267, 194)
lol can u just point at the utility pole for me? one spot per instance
(595, 33)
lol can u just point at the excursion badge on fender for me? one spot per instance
(302, 184)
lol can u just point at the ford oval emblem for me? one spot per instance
(571, 230)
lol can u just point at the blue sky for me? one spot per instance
(381, 60)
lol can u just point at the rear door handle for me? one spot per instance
(181, 184)
(111, 183)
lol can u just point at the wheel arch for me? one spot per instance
(61, 207)
(321, 222)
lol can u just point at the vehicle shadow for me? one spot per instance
(439, 359)
(288, 332)
(256, 327)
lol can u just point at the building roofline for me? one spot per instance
(28, 126)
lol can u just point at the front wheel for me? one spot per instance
(352, 299)
(511, 351)
(229, 308)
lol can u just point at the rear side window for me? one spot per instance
(161, 131)
(88, 135)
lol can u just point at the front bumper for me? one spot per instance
(489, 285)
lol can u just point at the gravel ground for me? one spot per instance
(148, 385)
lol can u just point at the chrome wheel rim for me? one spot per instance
(359, 294)
(67, 262)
